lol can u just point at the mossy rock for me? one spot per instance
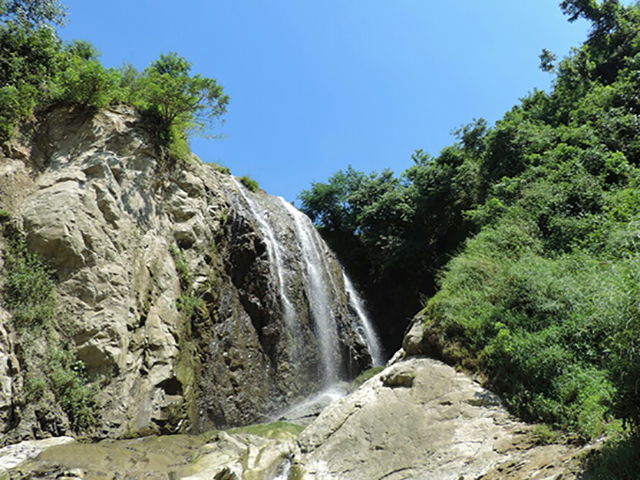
(275, 431)
(364, 376)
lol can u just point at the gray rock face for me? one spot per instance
(420, 419)
(130, 242)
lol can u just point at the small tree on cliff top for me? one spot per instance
(177, 102)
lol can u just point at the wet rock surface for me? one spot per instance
(444, 426)
(240, 456)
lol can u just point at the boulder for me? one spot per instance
(421, 419)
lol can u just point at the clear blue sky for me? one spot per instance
(318, 85)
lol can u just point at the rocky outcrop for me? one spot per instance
(166, 281)
(224, 456)
(420, 419)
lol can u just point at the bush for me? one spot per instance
(87, 83)
(29, 290)
(182, 267)
(222, 169)
(29, 294)
(617, 459)
(545, 331)
(68, 381)
(29, 60)
(250, 183)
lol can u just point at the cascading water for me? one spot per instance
(311, 294)
(318, 294)
(277, 269)
(275, 259)
(365, 328)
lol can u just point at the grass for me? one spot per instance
(29, 294)
(29, 288)
(182, 266)
(618, 459)
(364, 376)
(222, 169)
(250, 183)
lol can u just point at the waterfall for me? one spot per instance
(320, 298)
(365, 328)
(275, 258)
(306, 280)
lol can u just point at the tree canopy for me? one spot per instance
(33, 13)
(522, 237)
(178, 101)
(37, 70)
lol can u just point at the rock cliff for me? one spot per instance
(191, 301)
(183, 302)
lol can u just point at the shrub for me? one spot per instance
(222, 169)
(29, 290)
(182, 267)
(84, 81)
(543, 330)
(30, 296)
(29, 60)
(250, 183)
(68, 381)
(617, 459)
(190, 305)
(5, 216)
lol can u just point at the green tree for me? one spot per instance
(33, 13)
(178, 102)
(83, 80)
(29, 60)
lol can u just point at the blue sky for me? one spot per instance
(316, 86)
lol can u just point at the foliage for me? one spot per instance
(394, 233)
(182, 266)
(364, 376)
(29, 290)
(29, 295)
(68, 380)
(29, 60)
(177, 101)
(83, 80)
(189, 303)
(37, 71)
(538, 217)
(222, 169)
(250, 183)
(32, 13)
(616, 460)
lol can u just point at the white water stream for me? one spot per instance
(365, 327)
(319, 295)
(320, 287)
(275, 258)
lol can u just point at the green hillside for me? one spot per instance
(524, 236)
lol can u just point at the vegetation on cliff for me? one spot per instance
(37, 71)
(539, 215)
(56, 393)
